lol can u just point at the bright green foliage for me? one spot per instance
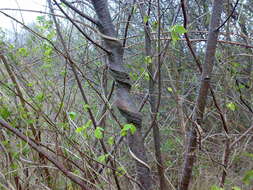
(5, 142)
(179, 29)
(133, 76)
(40, 97)
(170, 89)
(236, 188)
(215, 187)
(146, 75)
(46, 29)
(40, 18)
(128, 127)
(103, 158)
(43, 23)
(63, 73)
(49, 89)
(84, 128)
(248, 177)
(47, 56)
(23, 52)
(145, 19)
(231, 106)
(79, 129)
(86, 107)
(16, 155)
(250, 155)
(120, 171)
(98, 133)
(111, 140)
(176, 31)
(72, 115)
(30, 84)
(234, 64)
(4, 112)
(148, 59)
(14, 166)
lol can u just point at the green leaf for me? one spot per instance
(30, 84)
(174, 36)
(236, 188)
(215, 187)
(132, 129)
(234, 64)
(40, 18)
(23, 52)
(51, 35)
(123, 133)
(133, 76)
(241, 86)
(31, 121)
(146, 75)
(176, 30)
(5, 142)
(111, 140)
(103, 158)
(87, 124)
(40, 97)
(63, 73)
(128, 127)
(145, 19)
(83, 128)
(79, 129)
(4, 112)
(120, 171)
(26, 150)
(148, 59)
(14, 166)
(179, 29)
(86, 107)
(63, 5)
(250, 155)
(231, 106)
(72, 115)
(77, 172)
(248, 177)
(16, 155)
(98, 133)
(48, 52)
(154, 25)
(170, 89)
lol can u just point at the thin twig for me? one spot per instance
(231, 14)
(80, 30)
(80, 13)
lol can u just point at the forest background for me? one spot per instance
(153, 94)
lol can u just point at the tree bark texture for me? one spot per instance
(153, 104)
(124, 101)
(200, 104)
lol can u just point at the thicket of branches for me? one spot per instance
(154, 94)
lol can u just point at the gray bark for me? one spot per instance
(124, 101)
(153, 104)
(200, 104)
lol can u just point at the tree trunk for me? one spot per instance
(124, 101)
(200, 104)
